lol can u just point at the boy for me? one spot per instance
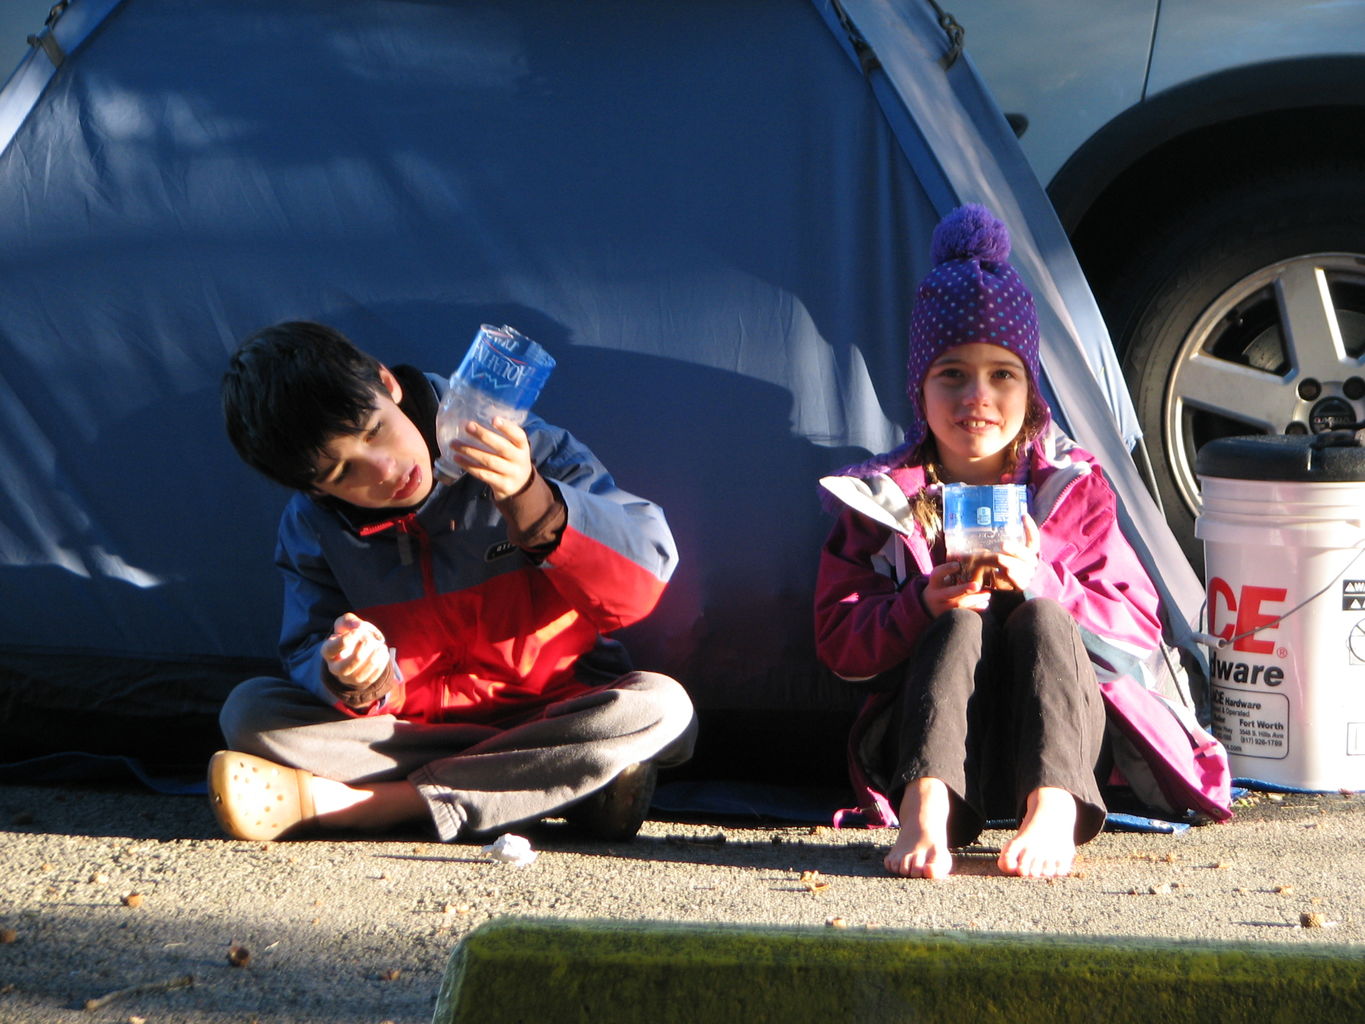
(444, 643)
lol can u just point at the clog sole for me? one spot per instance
(253, 798)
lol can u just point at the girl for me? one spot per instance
(987, 702)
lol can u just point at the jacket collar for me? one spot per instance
(883, 498)
(1055, 461)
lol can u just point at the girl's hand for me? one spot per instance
(945, 589)
(501, 459)
(1017, 563)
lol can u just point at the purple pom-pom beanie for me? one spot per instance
(971, 294)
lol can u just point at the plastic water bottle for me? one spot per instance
(979, 518)
(501, 375)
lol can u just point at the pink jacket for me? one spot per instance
(869, 615)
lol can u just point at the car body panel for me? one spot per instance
(1074, 67)
(1248, 33)
(1070, 67)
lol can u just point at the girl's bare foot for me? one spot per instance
(921, 849)
(1045, 846)
(374, 807)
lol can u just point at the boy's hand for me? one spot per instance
(501, 459)
(358, 659)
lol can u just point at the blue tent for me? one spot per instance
(711, 213)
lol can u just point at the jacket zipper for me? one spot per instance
(409, 531)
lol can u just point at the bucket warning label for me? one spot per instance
(1353, 595)
(1251, 723)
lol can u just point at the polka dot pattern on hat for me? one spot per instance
(973, 295)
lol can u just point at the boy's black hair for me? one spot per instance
(289, 390)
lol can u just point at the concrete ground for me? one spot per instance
(133, 901)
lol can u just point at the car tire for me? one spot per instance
(1222, 323)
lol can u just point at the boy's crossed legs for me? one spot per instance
(377, 772)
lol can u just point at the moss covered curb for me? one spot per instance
(519, 969)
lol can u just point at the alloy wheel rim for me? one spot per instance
(1281, 350)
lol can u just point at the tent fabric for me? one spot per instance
(700, 209)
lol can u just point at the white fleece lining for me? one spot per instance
(879, 498)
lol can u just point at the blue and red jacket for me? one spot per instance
(481, 629)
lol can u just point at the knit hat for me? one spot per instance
(971, 295)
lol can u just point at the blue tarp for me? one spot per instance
(706, 211)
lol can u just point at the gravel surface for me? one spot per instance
(133, 898)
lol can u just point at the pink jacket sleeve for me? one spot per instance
(864, 623)
(1091, 570)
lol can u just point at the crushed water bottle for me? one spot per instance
(979, 518)
(501, 375)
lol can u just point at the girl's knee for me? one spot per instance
(1040, 615)
(958, 621)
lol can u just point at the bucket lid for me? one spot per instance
(1333, 457)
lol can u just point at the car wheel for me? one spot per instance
(1244, 315)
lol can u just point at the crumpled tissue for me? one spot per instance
(510, 849)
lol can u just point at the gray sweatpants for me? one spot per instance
(474, 778)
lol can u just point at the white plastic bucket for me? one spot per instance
(1285, 583)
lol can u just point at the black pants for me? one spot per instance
(997, 704)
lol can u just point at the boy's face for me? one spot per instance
(386, 465)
